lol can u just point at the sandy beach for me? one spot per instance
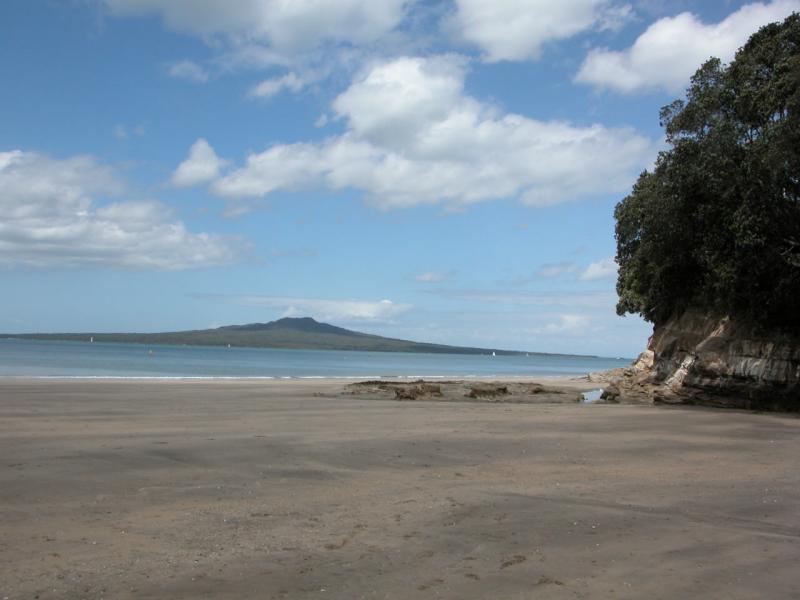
(292, 489)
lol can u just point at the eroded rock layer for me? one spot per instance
(694, 359)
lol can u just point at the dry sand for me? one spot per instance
(292, 490)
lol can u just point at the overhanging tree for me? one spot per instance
(716, 224)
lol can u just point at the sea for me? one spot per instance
(45, 359)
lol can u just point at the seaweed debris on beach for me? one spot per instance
(522, 392)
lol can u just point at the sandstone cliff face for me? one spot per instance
(693, 359)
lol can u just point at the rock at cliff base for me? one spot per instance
(695, 359)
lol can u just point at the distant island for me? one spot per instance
(290, 332)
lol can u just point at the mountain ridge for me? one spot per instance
(303, 333)
(296, 323)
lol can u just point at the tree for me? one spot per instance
(716, 224)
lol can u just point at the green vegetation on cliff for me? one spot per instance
(716, 224)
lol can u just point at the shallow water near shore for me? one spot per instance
(33, 358)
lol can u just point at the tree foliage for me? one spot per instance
(716, 224)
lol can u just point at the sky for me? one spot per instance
(443, 171)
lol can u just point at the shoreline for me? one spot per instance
(330, 386)
(267, 378)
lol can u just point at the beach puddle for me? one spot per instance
(592, 396)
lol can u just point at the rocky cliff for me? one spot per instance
(694, 359)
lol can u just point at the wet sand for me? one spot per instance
(140, 489)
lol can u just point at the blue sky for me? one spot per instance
(439, 171)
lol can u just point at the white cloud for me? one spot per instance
(614, 18)
(671, 49)
(275, 85)
(201, 166)
(603, 269)
(394, 103)
(414, 137)
(551, 270)
(553, 300)
(341, 311)
(593, 332)
(517, 29)
(281, 167)
(277, 27)
(565, 325)
(50, 218)
(431, 277)
(188, 70)
(557, 321)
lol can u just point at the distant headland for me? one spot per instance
(290, 332)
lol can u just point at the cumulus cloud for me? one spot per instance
(201, 166)
(615, 17)
(551, 270)
(275, 29)
(188, 70)
(414, 137)
(50, 218)
(342, 311)
(565, 325)
(517, 29)
(603, 269)
(672, 48)
(275, 85)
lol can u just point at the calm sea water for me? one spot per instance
(25, 358)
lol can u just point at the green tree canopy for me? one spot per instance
(716, 224)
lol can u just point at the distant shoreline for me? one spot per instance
(568, 380)
(85, 339)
